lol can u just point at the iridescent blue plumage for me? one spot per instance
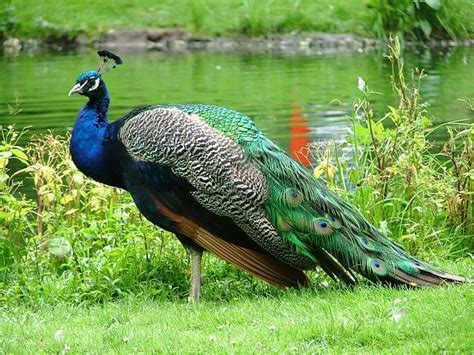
(92, 142)
(90, 74)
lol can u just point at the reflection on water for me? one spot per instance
(290, 98)
(299, 133)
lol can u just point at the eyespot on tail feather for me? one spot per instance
(369, 245)
(377, 267)
(293, 197)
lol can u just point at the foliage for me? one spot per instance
(417, 19)
(8, 21)
(469, 103)
(83, 242)
(375, 18)
(199, 12)
(212, 17)
(14, 210)
(421, 198)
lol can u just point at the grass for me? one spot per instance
(319, 320)
(212, 17)
(62, 19)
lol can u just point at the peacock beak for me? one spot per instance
(77, 89)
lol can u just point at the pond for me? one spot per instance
(290, 97)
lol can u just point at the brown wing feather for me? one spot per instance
(261, 265)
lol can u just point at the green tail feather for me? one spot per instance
(315, 221)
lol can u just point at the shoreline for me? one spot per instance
(178, 40)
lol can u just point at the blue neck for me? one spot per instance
(100, 101)
(92, 141)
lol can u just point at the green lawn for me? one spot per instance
(56, 18)
(212, 17)
(333, 319)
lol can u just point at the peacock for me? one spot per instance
(211, 177)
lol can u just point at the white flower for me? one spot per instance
(361, 84)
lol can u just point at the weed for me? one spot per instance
(9, 23)
(84, 242)
(422, 20)
(15, 211)
(421, 198)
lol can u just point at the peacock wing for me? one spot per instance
(225, 181)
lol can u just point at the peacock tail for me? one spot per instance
(239, 173)
(310, 217)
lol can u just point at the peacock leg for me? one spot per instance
(195, 291)
(194, 252)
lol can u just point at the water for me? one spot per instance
(289, 97)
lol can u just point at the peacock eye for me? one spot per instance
(323, 224)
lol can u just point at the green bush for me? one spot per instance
(8, 22)
(422, 20)
(421, 198)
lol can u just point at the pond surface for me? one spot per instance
(288, 96)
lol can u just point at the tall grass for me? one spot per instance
(62, 20)
(421, 20)
(83, 242)
(421, 195)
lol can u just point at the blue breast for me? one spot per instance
(92, 147)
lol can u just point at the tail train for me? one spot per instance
(331, 232)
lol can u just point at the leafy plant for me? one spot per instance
(8, 22)
(389, 168)
(15, 211)
(83, 242)
(415, 19)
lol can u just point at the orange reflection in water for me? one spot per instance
(299, 132)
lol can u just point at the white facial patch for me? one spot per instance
(96, 84)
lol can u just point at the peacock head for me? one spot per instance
(90, 83)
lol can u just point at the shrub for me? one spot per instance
(390, 169)
(422, 20)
